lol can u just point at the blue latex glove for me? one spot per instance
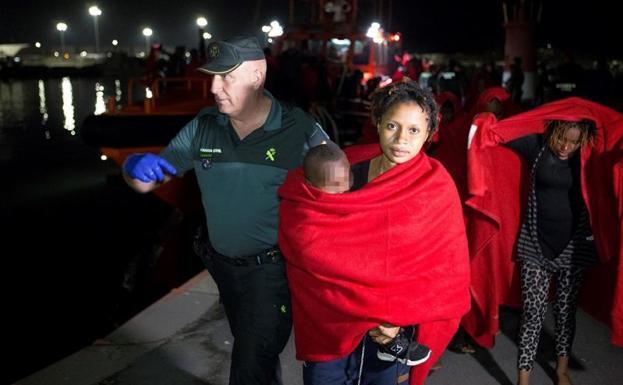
(147, 167)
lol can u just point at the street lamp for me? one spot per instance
(62, 27)
(273, 30)
(147, 32)
(201, 23)
(95, 12)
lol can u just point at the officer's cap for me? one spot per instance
(225, 56)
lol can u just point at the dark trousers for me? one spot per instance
(345, 371)
(257, 303)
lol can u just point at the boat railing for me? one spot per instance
(156, 89)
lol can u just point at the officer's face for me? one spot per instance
(233, 90)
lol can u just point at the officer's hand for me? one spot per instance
(147, 167)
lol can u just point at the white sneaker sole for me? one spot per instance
(385, 356)
(416, 362)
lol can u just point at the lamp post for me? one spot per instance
(147, 32)
(61, 28)
(201, 23)
(95, 12)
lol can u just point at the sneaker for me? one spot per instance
(395, 349)
(416, 354)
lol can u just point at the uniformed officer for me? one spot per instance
(241, 150)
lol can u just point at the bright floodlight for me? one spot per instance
(275, 29)
(147, 32)
(115, 42)
(207, 36)
(95, 11)
(61, 27)
(266, 28)
(38, 45)
(202, 22)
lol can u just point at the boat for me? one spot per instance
(147, 126)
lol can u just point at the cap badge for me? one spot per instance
(214, 51)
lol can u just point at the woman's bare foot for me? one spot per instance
(563, 379)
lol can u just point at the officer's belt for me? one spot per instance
(270, 255)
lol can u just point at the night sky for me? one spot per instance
(448, 26)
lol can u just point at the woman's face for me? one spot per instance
(495, 106)
(403, 130)
(566, 146)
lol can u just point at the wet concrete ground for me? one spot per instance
(184, 339)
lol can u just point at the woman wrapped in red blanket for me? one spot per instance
(567, 192)
(391, 252)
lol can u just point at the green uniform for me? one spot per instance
(239, 178)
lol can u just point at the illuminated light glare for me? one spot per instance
(72, 133)
(62, 27)
(147, 32)
(202, 22)
(115, 42)
(100, 105)
(340, 41)
(56, 54)
(103, 157)
(207, 36)
(66, 56)
(68, 105)
(43, 109)
(38, 45)
(270, 40)
(273, 30)
(118, 92)
(148, 93)
(187, 54)
(141, 54)
(17, 59)
(95, 11)
(83, 54)
(376, 33)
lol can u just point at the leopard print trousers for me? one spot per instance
(535, 281)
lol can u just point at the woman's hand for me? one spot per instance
(384, 333)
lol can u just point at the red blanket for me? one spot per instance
(509, 107)
(450, 142)
(394, 251)
(497, 184)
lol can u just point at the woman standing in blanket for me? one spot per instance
(558, 215)
(555, 240)
(366, 266)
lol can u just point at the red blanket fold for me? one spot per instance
(497, 184)
(394, 251)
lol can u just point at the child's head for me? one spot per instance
(326, 168)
